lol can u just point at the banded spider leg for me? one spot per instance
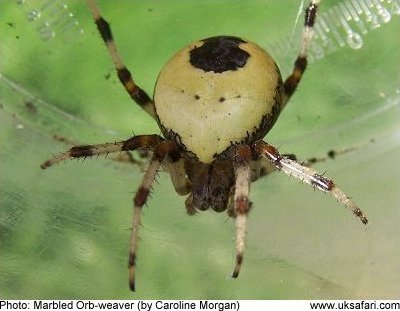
(307, 175)
(161, 150)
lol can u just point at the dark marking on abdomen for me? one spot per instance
(219, 54)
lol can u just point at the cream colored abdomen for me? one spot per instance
(210, 110)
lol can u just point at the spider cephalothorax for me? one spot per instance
(214, 101)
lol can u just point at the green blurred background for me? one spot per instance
(65, 231)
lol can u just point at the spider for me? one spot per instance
(214, 102)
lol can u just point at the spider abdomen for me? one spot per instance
(218, 92)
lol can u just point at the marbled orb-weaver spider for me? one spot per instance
(214, 101)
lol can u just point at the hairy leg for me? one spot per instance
(84, 151)
(241, 201)
(307, 175)
(291, 83)
(124, 75)
(140, 199)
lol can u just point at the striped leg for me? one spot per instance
(300, 64)
(308, 175)
(136, 93)
(162, 150)
(123, 157)
(84, 151)
(266, 167)
(242, 204)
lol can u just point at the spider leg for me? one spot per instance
(300, 64)
(241, 201)
(83, 151)
(308, 175)
(230, 209)
(124, 75)
(160, 152)
(123, 157)
(266, 167)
